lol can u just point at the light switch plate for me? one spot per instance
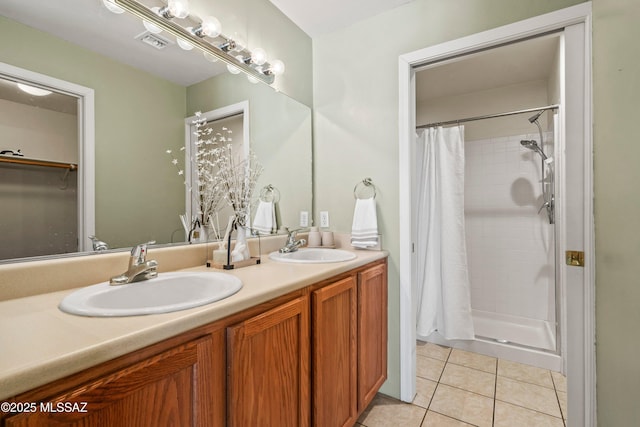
(304, 218)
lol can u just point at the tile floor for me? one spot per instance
(456, 388)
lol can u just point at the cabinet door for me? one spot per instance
(268, 368)
(372, 333)
(169, 389)
(334, 354)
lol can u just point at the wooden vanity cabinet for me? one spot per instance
(268, 368)
(372, 333)
(349, 335)
(314, 356)
(175, 387)
(334, 361)
(284, 370)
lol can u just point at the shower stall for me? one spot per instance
(509, 206)
(508, 99)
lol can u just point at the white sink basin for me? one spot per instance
(165, 293)
(313, 256)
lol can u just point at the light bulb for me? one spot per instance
(36, 91)
(178, 8)
(277, 67)
(152, 28)
(233, 69)
(209, 57)
(112, 7)
(252, 79)
(210, 26)
(258, 56)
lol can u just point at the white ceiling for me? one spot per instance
(54, 101)
(526, 61)
(319, 17)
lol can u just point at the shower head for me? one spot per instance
(535, 116)
(531, 144)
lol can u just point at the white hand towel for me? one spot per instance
(364, 230)
(265, 219)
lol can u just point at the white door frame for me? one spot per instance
(580, 294)
(86, 143)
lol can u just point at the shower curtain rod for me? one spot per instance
(489, 116)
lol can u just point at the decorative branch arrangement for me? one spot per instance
(220, 178)
(237, 180)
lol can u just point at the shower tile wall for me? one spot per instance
(510, 246)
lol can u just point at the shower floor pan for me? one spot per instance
(514, 330)
(513, 338)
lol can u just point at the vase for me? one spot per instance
(203, 236)
(241, 249)
(202, 233)
(209, 233)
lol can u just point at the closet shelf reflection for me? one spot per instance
(37, 162)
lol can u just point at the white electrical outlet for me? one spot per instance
(324, 219)
(304, 218)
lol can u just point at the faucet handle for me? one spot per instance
(544, 205)
(140, 251)
(291, 234)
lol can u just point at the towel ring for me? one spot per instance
(365, 184)
(269, 193)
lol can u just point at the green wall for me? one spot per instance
(616, 75)
(356, 111)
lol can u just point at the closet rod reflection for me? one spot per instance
(33, 162)
(488, 116)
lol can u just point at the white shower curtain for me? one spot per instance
(444, 297)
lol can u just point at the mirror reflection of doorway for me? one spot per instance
(227, 126)
(39, 150)
(229, 130)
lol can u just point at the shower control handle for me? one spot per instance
(544, 205)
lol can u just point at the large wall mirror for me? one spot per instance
(142, 98)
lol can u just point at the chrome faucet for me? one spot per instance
(139, 268)
(98, 245)
(292, 244)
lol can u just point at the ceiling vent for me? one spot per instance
(154, 40)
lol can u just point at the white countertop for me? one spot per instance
(40, 344)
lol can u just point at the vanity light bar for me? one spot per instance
(173, 28)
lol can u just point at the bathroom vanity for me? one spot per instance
(299, 345)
